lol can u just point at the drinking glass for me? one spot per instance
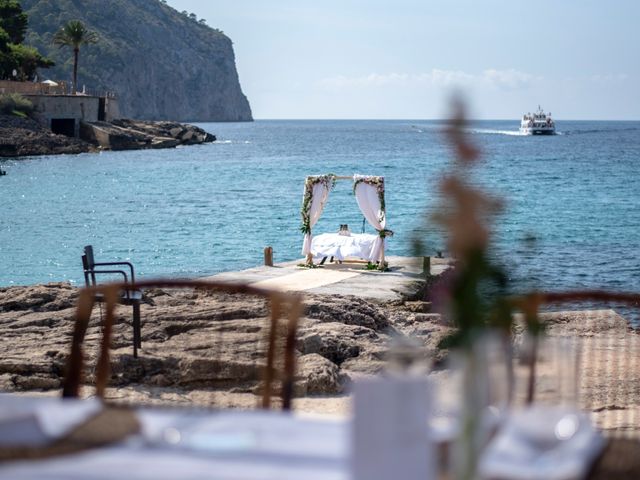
(547, 370)
(446, 406)
(483, 371)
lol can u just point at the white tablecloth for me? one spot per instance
(252, 445)
(343, 246)
(226, 445)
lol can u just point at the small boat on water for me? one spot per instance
(539, 123)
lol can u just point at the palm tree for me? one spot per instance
(74, 34)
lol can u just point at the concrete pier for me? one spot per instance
(404, 278)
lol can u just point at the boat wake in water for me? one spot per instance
(603, 130)
(511, 133)
(488, 131)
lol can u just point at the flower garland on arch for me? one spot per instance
(329, 181)
(377, 182)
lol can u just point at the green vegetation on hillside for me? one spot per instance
(15, 57)
(13, 103)
(110, 19)
(13, 20)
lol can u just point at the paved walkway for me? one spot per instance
(306, 279)
(341, 279)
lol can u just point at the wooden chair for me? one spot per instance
(282, 305)
(129, 295)
(607, 368)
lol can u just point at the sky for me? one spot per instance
(403, 59)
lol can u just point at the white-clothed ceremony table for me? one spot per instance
(355, 245)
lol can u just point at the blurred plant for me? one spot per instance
(476, 292)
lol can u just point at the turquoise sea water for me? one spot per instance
(199, 210)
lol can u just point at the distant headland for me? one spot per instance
(102, 69)
(162, 64)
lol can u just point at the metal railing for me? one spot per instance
(62, 88)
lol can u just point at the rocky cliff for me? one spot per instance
(161, 63)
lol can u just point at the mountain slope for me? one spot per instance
(161, 63)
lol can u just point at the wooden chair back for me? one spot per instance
(604, 330)
(285, 310)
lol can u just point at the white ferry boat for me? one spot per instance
(539, 123)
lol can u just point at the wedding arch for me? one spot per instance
(369, 193)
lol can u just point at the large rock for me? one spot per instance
(348, 310)
(127, 134)
(49, 297)
(317, 375)
(26, 136)
(335, 341)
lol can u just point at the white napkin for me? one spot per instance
(546, 443)
(33, 422)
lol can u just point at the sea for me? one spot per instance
(571, 216)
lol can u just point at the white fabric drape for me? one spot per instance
(369, 203)
(320, 195)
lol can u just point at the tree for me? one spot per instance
(13, 24)
(4, 41)
(14, 56)
(74, 34)
(6, 61)
(13, 20)
(27, 60)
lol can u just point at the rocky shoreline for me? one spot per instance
(199, 348)
(192, 340)
(125, 134)
(26, 136)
